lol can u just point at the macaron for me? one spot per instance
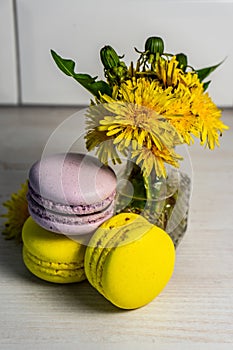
(51, 256)
(129, 260)
(71, 193)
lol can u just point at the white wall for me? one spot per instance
(77, 29)
(8, 64)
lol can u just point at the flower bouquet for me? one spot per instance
(138, 117)
(142, 112)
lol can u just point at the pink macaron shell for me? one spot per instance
(72, 179)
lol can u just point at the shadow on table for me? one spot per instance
(76, 296)
(11, 263)
(84, 296)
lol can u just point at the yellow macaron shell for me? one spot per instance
(51, 256)
(133, 271)
(108, 236)
(134, 274)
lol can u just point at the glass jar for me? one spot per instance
(168, 205)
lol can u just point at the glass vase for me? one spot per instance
(167, 206)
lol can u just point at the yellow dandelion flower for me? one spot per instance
(17, 213)
(154, 116)
(167, 71)
(210, 125)
(191, 81)
(153, 158)
(107, 151)
(134, 123)
(180, 116)
(203, 119)
(97, 138)
(142, 92)
(193, 113)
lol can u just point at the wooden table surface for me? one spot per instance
(195, 308)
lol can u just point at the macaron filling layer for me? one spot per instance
(72, 209)
(51, 269)
(36, 210)
(51, 256)
(69, 224)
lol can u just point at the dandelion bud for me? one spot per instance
(154, 45)
(182, 61)
(109, 57)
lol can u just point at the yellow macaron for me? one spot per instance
(129, 260)
(52, 257)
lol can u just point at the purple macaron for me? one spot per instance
(71, 193)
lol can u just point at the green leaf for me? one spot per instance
(205, 85)
(66, 66)
(204, 72)
(88, 82)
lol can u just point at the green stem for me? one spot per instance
(154, 187)
(148, 187)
